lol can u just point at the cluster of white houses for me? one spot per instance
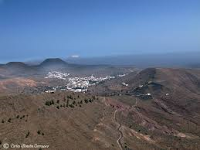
(57, 75)
(75, 84)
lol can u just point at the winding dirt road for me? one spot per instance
(119, 130)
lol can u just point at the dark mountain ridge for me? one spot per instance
(53, 62)
(20, 69)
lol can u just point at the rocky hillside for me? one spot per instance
(154, 109)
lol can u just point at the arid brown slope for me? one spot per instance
(125, 118)
(65, 121)
(15, 85)
(167, 118)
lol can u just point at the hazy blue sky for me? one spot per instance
(60, 28)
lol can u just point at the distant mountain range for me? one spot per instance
(16, 76)
(20, 69)
(45, 63)
(48, 63)
(142, 109)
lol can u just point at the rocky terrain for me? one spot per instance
(151, 109)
